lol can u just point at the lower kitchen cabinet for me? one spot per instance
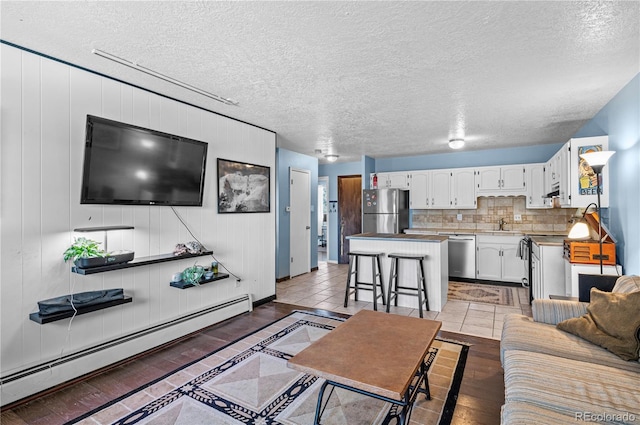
(547, 269)
(496, 259)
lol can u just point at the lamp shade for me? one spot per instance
(597, 159)
(580, 230)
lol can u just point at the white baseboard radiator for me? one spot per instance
(42, 376)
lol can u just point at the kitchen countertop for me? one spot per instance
(399, 236)
(548, 240)
(432, 231)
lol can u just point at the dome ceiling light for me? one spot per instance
(456, 143)
(332, 157)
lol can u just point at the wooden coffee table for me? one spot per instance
(372, 353)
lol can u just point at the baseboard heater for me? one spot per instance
(54, 372)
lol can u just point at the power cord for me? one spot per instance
(238, 278)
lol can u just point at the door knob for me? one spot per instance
(308, 227)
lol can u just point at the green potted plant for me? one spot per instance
(83, 248)
(193, 274)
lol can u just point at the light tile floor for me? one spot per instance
(324, 289)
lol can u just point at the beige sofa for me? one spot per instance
(554, 377)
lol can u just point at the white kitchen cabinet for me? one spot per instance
(398, 180)
(496, 259)
(463, 188)
(440, 189)
(582, 180)
(547, 270)
(443, 189)
(419, 190)
(573, 181)
(501, 181)
(395, 180)
(536, 186)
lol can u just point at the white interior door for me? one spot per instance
(300, 223)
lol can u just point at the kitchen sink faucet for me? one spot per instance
(501, 223)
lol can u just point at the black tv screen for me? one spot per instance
(129, 165)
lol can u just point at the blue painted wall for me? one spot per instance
(333, 171)
(369, 165)
(620, 119)
(284, 160)
(460, 159)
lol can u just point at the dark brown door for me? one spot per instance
(349, 213)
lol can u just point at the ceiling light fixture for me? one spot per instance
(332, 157)
(456, 143)
(163, 77)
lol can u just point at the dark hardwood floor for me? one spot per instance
(481, 393)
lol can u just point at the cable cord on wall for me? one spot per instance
(197, 240)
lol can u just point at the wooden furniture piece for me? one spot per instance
(395, 289)
(375, 354)
(376, 273)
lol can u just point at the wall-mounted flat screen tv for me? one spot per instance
(129, 165)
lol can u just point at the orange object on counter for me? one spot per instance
(588, 252)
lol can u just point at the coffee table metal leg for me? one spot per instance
(319, 407)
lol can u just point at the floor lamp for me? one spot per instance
(596, 160)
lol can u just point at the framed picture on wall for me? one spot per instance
(242, 187)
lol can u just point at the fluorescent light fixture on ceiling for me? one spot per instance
(163, 77)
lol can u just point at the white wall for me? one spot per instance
(44, 107)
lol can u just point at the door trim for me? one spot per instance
(307, 212)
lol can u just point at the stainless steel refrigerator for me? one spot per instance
(385, 210)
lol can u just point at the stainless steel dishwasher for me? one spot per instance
(462, 255)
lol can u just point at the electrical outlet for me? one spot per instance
(517, 217)
(459, 217)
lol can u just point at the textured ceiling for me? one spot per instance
(361, 78)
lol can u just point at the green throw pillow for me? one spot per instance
(612, 321)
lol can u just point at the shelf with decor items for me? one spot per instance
(137, 262)
(181, 284)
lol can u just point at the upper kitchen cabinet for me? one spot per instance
(419, 193)
(440, 189)
(571, 179)
(582, 179)
(395, 180)
(536, 188)
(501, 181)
(557, 176)
(443, 189)
(463, 188)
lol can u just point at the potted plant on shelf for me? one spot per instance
(83, 248)
(193, 274)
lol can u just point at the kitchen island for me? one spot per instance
(436, 264)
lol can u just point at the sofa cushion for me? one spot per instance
(521, 333)
(520, 413)
(571, 387)
(612, 321)
(626, 284)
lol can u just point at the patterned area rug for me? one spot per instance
(248, 382)
(477, 292)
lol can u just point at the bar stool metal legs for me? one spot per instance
(376, 275)
(395, 289)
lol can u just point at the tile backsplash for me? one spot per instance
(491, 210)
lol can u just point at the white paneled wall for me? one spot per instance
(44, 107)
